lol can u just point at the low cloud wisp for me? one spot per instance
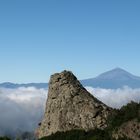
(116, 98)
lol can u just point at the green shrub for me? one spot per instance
(78, 135)
(126, 113)
(81, 135)
(4, 138)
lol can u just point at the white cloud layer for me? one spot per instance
(116, 98)
(22, 109)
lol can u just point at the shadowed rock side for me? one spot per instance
(70, 106)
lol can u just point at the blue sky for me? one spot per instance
(88, 37)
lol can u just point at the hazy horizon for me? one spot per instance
(78, 79)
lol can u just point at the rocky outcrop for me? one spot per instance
(70, 106)
(130, 129)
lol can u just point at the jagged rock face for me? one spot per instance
(70, 106)
(130, 129)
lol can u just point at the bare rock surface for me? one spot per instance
(130, 129)
(70, 106)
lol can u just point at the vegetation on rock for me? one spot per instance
(4, 138)
(126, 113)
(96, 134)
(118, 117)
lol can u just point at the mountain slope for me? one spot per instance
(116, 78)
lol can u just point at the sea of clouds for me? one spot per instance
(116, 98)
(22, 109)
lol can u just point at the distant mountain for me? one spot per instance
(13, 85)
(116, 78)
(113, 79)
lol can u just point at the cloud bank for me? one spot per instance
(22, 109)
(116, 98)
